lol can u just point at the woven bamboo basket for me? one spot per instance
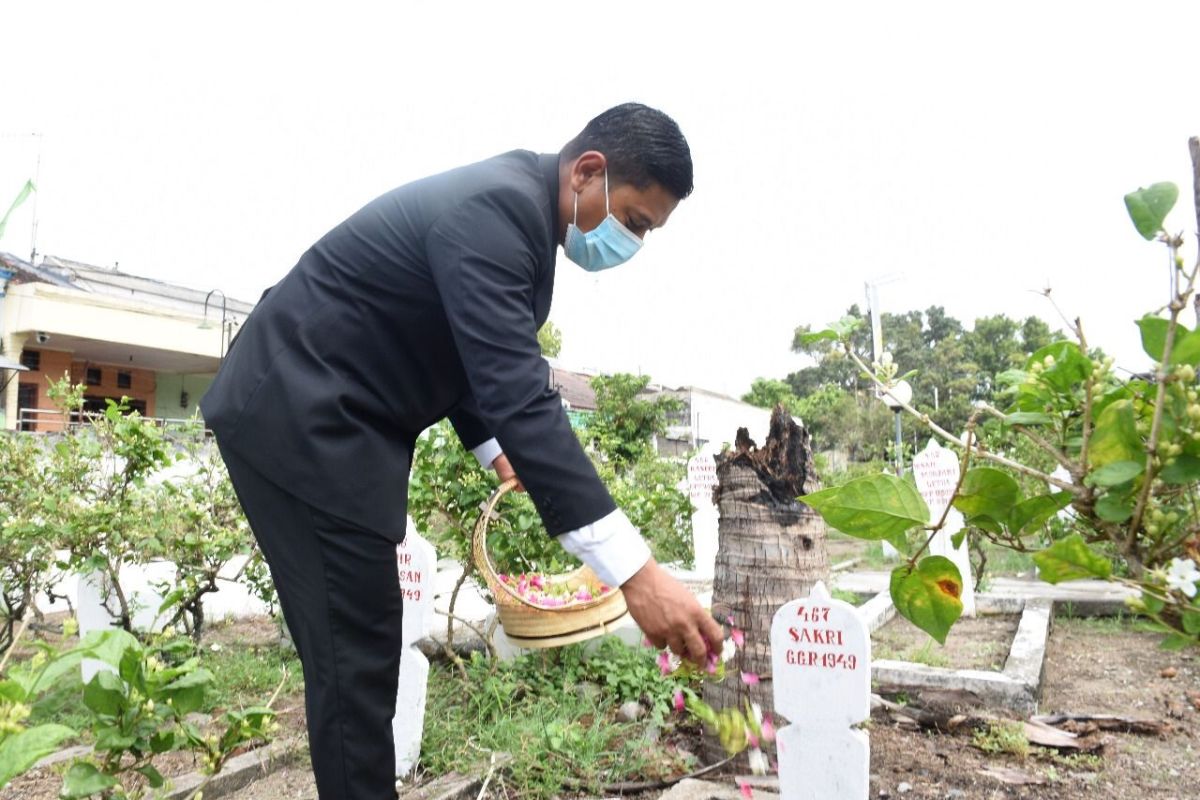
(533, 626)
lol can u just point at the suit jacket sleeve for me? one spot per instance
(468, 424)
(483, 256)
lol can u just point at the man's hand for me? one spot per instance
(670, 615)
(504, 471)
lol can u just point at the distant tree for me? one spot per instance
(626, 421)
(550, 339)
(769, 392)
(952, 368)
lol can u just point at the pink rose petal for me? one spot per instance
(768, 731)
(738, 637)
(749, 678)
(679, 700)
(745, 789)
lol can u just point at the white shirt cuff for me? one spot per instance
(487, 452)
(611, 546)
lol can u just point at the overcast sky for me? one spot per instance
(974, 152)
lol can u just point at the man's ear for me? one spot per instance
(588, 166)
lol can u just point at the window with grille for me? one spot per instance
(94, 376)
(124, 380)
(31, 359)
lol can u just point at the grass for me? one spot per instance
(926, 654)
(555, 714)
(1105, 626)
(1003, 736)
(244, 676)
(248, 675)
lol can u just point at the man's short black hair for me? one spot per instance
(642, 145)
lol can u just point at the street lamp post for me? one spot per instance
(896, 397)
(224, 315)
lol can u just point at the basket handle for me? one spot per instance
(479, 551)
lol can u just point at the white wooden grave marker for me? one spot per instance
(936, 470)
(701, 480)
(821, 664)
(416, 560)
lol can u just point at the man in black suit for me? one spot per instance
(426, 304)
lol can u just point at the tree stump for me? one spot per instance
(771, 550)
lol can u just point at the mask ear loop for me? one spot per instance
(607, 212)
(575, 221)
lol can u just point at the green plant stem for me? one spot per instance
(1178, 303)
(1058, 455)
(13, 646)
(984, 454)
(1089, 390)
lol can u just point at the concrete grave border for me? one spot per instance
(1017, 687)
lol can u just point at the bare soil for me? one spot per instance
(1093, 666)
(980, 643)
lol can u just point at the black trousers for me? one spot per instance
(339, 590)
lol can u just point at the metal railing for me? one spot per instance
(52, 420)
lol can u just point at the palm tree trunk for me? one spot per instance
(771, 550)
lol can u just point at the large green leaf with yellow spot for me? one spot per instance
(930, 595)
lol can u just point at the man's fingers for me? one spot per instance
(712, 632)
(697, 649)
(677, 645)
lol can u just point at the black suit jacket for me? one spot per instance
(424, 304)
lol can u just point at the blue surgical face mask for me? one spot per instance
(610, 243)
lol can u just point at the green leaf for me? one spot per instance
(1115, 474)
(1191, 621)
(871, 507)
(104, 694)
(1184, 469)
(84, 780)
(1153, 604)
(1069, 559)
(846, 326)
(1116, 437)
(1011, 376)
(1148, 207)
(1029, 418)
(162, 741)
(20, 751)
(812, 338)
(109, 646)
(21, 197)
(956, 539)
(1176, 641)
(153, 776)
(12, 691)
(987, 497)
(929, 596)
(111, 738)
(187, 693)
(1069, 369)
(1036, 510)
(172, 598)
(1114, 507)
(1187, 347)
